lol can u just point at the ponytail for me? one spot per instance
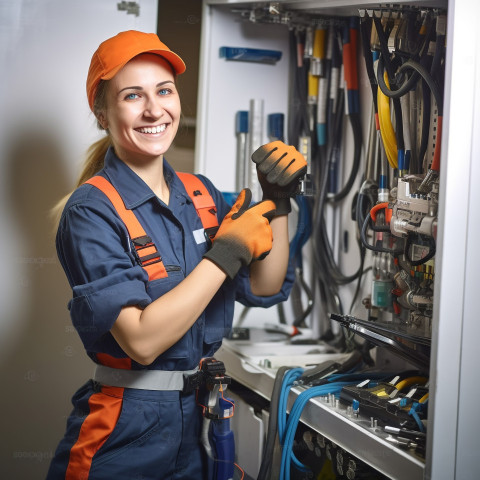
(95, 158)
(95, 154)
(93, 164)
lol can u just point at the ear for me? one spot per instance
(102, 120)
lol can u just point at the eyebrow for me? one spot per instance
(141, 88)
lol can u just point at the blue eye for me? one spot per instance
(131, 96)
(164, 91)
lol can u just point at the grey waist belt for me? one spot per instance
(142, 379)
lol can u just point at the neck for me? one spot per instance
(152, 174)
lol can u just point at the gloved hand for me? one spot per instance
(244, 235)
(279, 169)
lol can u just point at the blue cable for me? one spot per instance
(414, 413)
(287, 383)
(294, 418)
(288, 432)
(304, 228)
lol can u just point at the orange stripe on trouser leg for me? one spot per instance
(96, 428)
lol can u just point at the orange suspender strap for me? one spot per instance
(203, 202)
(146, 250)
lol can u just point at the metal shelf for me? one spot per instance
(353, 435)
(330, 7)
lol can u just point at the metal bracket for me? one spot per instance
(129, 7)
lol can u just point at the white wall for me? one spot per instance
(45, 128)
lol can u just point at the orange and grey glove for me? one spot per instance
(279, 169)
(244, 235)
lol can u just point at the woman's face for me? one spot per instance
(142, 109)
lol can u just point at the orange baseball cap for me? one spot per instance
(114, 53)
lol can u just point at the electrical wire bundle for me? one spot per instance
(286, 426)
(404, 55)
(404, 52)
(410, 50)
(317, 113)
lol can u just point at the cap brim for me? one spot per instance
(172, 58)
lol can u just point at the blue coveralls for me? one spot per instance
(121, 433)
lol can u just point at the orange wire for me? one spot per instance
(204, 407)
(229, 401)
(243, 473)
(376, 208)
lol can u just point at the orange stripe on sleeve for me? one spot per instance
(96, 428)
(109, 361)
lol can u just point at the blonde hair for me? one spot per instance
(95, 156)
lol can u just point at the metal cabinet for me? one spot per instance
(224, 89)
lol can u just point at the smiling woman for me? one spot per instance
(151, 296)
(142, 116)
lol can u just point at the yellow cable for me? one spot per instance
(386, 127)
(410, 381)
(312, 88)
(424, 398)
(319, 43)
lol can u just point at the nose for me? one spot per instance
(153, 107)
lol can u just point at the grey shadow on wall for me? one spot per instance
(46, 364)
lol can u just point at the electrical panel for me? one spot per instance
(359, 89)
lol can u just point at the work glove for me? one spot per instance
(244, 235)
(279, 170)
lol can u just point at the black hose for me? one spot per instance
(298, 113)
(329, 273)
(408, 85)
(299, 321)
(425, 125)
(365, 31)
(426, 76)
(357, 153)
(427, 81)
(380, 228)
(438, 55)
(426, 258)
(272, 431)
(391, 78)
(363, 236)
(384, 48)
(329, 298)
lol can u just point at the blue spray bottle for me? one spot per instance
(223, 441)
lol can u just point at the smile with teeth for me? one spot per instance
(157, 129)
